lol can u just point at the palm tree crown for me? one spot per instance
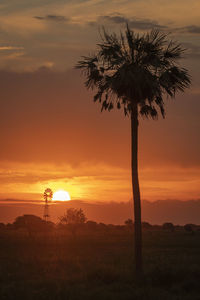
(133, 69)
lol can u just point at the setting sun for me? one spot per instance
(61, 196)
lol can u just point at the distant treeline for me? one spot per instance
(74, 220)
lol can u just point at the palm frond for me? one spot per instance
(130, 68)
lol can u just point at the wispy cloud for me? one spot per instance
(192, 29)
(141, 24)
(53, 18)
(193, 51)
(5, 48)
(97, 182)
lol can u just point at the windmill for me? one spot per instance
(48, 194)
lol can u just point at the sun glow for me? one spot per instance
(61, 196)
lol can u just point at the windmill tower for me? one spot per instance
(48, 194)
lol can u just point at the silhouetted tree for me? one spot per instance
(129, 223)
(73, 218)
(32, 224)
(168, 226)
(9, 226)
(2, 226)
(189, 228)
(135, 72)
(146, 225)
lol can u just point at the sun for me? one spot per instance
(61, 196)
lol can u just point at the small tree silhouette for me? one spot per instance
(73, 219)
(168, 226)
(146, 225)
(2, 226)
(189, 228)
(129, 224)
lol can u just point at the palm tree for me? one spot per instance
(134, 72)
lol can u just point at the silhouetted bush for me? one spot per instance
(129, 224)
(146, 225)
(32, 224)
(2, 226)
(168, 226)
(189, 227)
(91, 225)
(9, 226)
(102, 227)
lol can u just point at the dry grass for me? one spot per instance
(99, 266)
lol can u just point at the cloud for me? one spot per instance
(145, 25)
(192, 50)
(17, 201)
(192, 29)
(133, 23)
(54, 18)
(5, 48)
(118, 19)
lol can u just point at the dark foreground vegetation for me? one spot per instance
(97, 262)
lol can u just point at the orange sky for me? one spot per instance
(55, 136)
(52, 135)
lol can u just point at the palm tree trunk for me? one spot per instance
(136, 190)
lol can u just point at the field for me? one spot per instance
(99, 266)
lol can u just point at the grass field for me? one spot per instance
(99, 266)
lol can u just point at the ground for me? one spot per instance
(99, 266)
